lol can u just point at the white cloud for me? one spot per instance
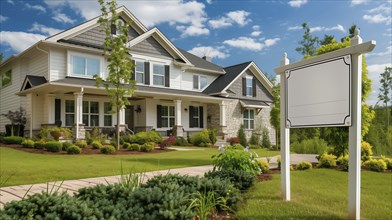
(193, 31)
(380, 14)
(255, 33)
(63, 18)
(297, 3)
(359, 2)
(19, 41)
(388, 51)
(219, 23)
(294, 28)
(209, 2)
(251, 44)
(10, 1)
(378, 18)
(44, 30)
(271, 42)
(36, 7)
(374, 74)
(384, 8)
(338, 27)
(3, 18)
(213, 52)
(239, 17)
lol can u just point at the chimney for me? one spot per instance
(207, 58)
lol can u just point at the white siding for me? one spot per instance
(58, 64)
(187, 80)
(38, 64)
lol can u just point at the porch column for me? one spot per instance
(178, 129)
(122, 118)
(78, 129)
(29, 111)
(222, 119)
(50, 107)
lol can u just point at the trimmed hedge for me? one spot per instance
(81, 144)
(13, 140)
(66, 145)
(134, 147)
(304, 165)
(107, 149)
(54, 146)
(39, 144)
(96, 145)
(147, 147)
(241, 180)
(327, 161)
(264, 166)
(145, 137)
(376, 165)
(74, 150)
(28, 143)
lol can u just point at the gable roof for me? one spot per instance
(31, 81)
(202, 64)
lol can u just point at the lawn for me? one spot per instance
(318, 194)
(26, 168)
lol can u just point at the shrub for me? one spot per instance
(388, 162)
(376, 165)
(278, 161)
(13, 140)
(342, 161)
(39, 144)
(264, 166)
(147, 147)
(310, 146)
(233, 140)
(366, 151)
(96, 145)
(66, 145)
(107, 149)
(144, 137)
(73, 149)
(265, 142)
(235, 147)
(327, 161)
(240, 179)
(81, 144)
(180, 141)
(212, 135)
(201, 139)
(241, 135)
(134, 147)
(170, 141)
(28, 143)
(252, 146)
(304, 165)
(54, 146)
(254, 139)
(230, 159)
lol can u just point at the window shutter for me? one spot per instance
(134, 70)
(167, 76)
(113, 29)
(201, 118)
(159, 116)
(195, 82)
(244, 86)
(191, 125)
(254, 86)
(147, 73)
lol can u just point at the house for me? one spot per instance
(175, 90)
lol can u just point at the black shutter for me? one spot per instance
(147, 73)
(167, 76)
(201, 118)
(134, 70)
(254, 86)
(57, 110)
(191, 124)
(113, 29)
(159, 116)
(244, 86)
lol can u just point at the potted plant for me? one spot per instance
(18, 121)
(56, 133)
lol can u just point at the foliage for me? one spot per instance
(275, 112)
(44, 132)
(304, 165)
(328, 39)
(170, 141)
(278, 160)
(241, 180)
(233, 140)
(81, 144)
(134, 147)
(301, 134)
(16, 117)
(118, 83)
(180, 141)
(366, 151)
(266, 143)
(96, 145)
(254, 139)
(66, 145)
(327, 161)
(205, 204)
(388, 162)
(107, 149)
(95, 135)
(235, 147)
(73, 149)
(13, 140)
(144, 137)
(310, 146)
(264, 166)
(308, 44)
(342, 161)
(241, 135)
(231, 159)
(212, 135)
(251, 146)
(28, 143)
(53, 146)
(39, 144)
(201, 139)
(384, 94)
(380, 134)
(376, 165)
(147, 147)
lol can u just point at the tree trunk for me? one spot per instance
(118, 126)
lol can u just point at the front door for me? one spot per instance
(129, 116)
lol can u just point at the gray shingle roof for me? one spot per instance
(201, 63)
(34, 81)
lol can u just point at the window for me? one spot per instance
(107, 116)
(139, 72)
(84, 66)
(166, 116)
(119, 25)
(249, 86)
(6, 78)
(158, 72)
(199, 82)
(195, 116)
(69, 112)
(249, 119)
(90, 114)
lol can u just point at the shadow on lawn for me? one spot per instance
(170, 161)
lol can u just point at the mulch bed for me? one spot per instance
(267, 176)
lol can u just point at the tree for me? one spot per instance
(118, 84)
(1, 57)
(384, 95)
(275, 112)
(328, 39)
(308, 43)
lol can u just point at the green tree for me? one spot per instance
(1, 57)
(384, 95)
(275, 112)
(118, 84)
(328, 39)
(241, 135)
(308, 44)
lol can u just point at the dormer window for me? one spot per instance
(139, 71)
(85, 66)
(249, 86)
(116, 29)
(199, 82)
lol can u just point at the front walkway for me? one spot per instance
(12, 193)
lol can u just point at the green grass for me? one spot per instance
(26, 168)
(318, 194)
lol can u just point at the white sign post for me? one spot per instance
(324, 91)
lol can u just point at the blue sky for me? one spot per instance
(230, 32)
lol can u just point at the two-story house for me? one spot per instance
(53, 81)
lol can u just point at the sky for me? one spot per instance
(231, 32)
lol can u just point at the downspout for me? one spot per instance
(47, 53)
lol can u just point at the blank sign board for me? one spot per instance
(318, 95)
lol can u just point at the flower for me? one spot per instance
(222, 148)
(246, 149)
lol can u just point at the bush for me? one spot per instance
(180, 141)
(310, 146)
(54, 146)
(13, 140)
(264, 166)
(233, 140)
(144, 137)
(241, 135)
(235, 147)
(96, 145)
(170, 141)
(304, 165)
(254, 139)
(265, 142)
(230, 159)
(327, 161)
(134, 147)
(251, 146)
(201, 139)
(342, 161)
(28, 143)
(39, 144)
(388, 162)
(66, 145)
(73, 149)
(240, 179)
(376, 165)
(212, 135)
(147, 147)
(366, 151)
(107, 149)
(81, 144)
(278, 161)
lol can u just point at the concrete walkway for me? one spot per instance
(12, 193)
